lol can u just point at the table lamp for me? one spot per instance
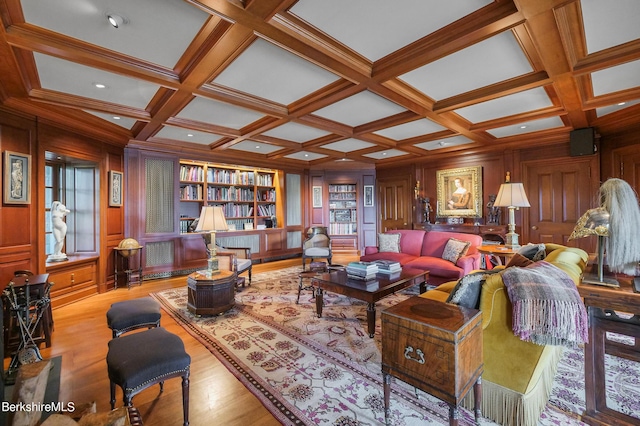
(512, 196)
(211, 220)
(595, 222)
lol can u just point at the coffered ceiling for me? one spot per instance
(311, 82)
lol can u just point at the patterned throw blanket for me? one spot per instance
(547, 308)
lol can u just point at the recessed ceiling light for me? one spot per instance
(257, 146)
(442, 143)
(190, 135)
(116, 21)
(523, 127)
(621, 103)
(116, 118)
(384, 153)
(100, 85)
(306, 155)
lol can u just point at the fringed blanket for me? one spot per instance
(547, 308)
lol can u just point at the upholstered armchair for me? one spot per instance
(241, 258)
(317, 245)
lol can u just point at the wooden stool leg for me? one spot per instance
(477, 399)
(112, 387)
(185, 398)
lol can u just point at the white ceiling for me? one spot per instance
(311, 81)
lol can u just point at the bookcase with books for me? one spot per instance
(343, 209)
(248, 196)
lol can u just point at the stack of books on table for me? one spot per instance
(362, 270)
(388, 266)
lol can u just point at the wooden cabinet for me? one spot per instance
(434, 346)
(73, 280)
(494, 233)
(247, 195)
(211, 295)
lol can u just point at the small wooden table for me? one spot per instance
(497, 251)
(211, 295)
(436, 347)
(602, 304)
(368, 291)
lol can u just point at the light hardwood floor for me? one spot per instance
(216, 396)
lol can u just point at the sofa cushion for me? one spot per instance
(389, 243)
(467, 291)
(534, 252)
(435, 241)
(437, 267)
(403, 258)
(454, 249)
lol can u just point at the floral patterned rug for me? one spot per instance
(308, 370)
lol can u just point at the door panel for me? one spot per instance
(559, 193)
(395, 212)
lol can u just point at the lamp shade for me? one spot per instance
(511, 195)
(211, 219)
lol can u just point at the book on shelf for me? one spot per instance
(361, 277)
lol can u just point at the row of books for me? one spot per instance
(362, 270)
(192, 173)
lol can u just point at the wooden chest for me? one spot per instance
(434, 346)
(211, 295)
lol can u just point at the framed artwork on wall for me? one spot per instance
(17, 178)
(115, 189)
(368, 196)
(317, 196)
(459, 192)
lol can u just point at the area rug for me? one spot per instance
(308, 370)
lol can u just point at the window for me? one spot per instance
(52, 191)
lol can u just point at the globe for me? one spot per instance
(131, 244)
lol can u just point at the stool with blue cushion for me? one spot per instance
(139, 360)
(133, 314)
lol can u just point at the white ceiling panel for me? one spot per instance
(272, 73)
(609, 23)
(387, 153)
(171, 24)
(444, 143)
(54, 75)
(187, 135)
(527, 127)
(306, 156)
(614, 79)
(219, 113)
(360, 108)
(375, 28)
(616, 107)
(124, 122)
(348, 145)
(409, 130)
(296, 132)
(529, 100)
(491, 61)
(255, 147)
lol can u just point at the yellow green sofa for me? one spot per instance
(518, 375)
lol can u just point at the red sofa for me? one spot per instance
(423, 250)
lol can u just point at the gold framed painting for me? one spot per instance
(17, 178)
(459, 192)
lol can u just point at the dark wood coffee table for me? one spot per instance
(367, 291)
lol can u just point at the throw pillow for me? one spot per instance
(389, 243)
(519, 260)
(533, 252)
(455, 249)
(467, 291)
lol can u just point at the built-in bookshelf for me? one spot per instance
(247, 195)
(343, 209)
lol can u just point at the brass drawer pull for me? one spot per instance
(409, 350)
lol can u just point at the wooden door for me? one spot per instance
(393, 201)
(628, 160)
(559, 193)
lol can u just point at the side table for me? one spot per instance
(436, 347)
(602, 304)
(211, 295)
(123, 263)
(497, 251)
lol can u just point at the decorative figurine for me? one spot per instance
(493, 213)
(59, 227)
(427, 209)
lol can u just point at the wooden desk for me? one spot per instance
(601, 303)
(211, 295)
(436, 347)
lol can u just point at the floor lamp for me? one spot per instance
(211, 220)
(512, 196)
